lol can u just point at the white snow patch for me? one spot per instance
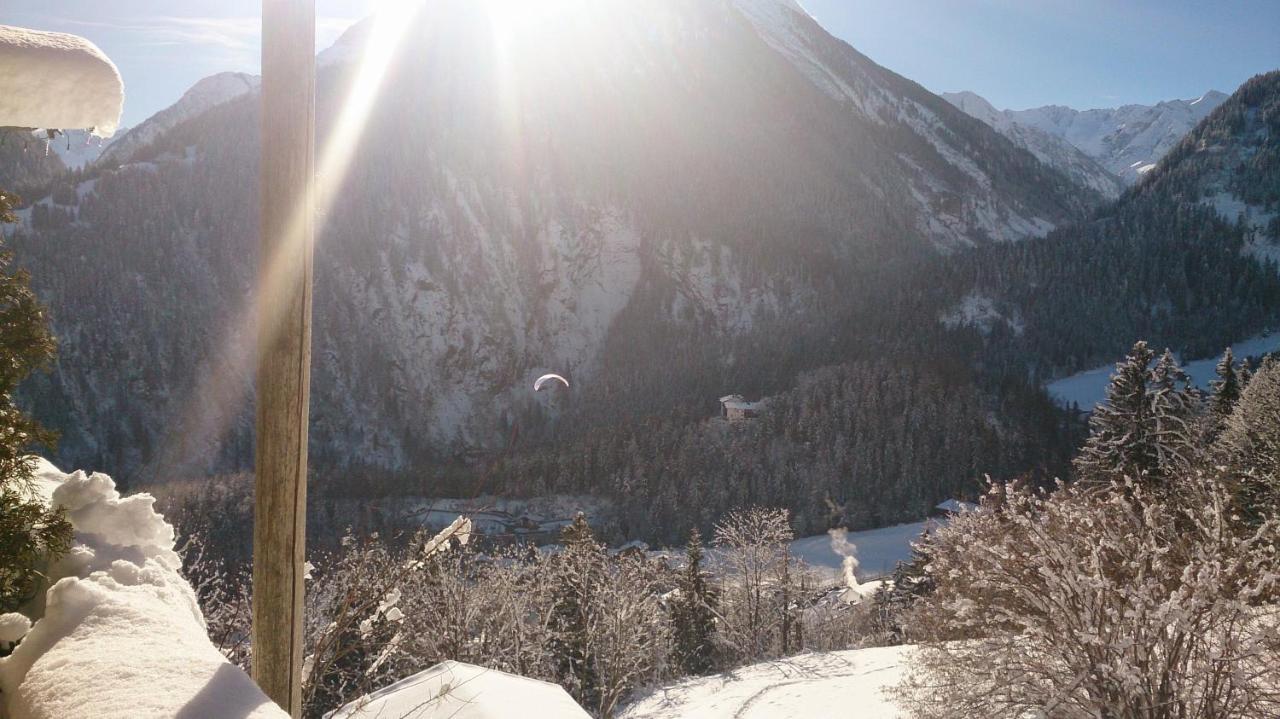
(57, 81)
(846, 683)
(13, 627)
(454, 690)
(979, 310)
(119, 633)
(878, 550)
(1088, 388)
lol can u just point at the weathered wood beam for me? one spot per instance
(284, 346)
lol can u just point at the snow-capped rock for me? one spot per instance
(1048, 148)
(1126, 138)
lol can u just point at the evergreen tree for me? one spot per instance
(579, 574)
(1250, 442)
(693, 613)
(1175, 416)
(1122, 434)
(29, 531)
(910, 582)
(1226, 388)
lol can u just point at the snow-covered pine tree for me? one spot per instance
(693, 612)
(1122, 433)
(1175, 416)
(1250, 442)
(910, 582)
(579, 572)
(29, 531)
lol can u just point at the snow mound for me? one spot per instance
(13, 626)
(57, 81)
(121, 633)
(455, 690)
(847, 683)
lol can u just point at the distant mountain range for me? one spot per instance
(1125, 141)
(677, 200)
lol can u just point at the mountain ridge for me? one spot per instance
(485, 233)
(1126, 141)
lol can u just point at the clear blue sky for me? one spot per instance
(1016, 53)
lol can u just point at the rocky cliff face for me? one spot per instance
(625, 193)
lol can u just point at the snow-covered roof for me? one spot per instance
(731, 398)
(742, 404)
(464, 691)
(57, 81)
(955, 506)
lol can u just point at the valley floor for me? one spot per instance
(1088, 388)
(846, 683)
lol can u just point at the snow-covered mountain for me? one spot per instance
(1049, 148)
(661, 191)
(209, 92)
(1128, 140)
(79, 148)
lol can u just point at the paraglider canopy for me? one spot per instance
(56, 81)
(544, 379)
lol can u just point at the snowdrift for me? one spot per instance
(454, 690)
(119, 632)
(847, 683)
(57, 81)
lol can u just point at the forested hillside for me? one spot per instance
(715, 203)
(1187, 258)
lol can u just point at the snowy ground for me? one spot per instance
(848, 683)
(1088, 388)
(878, 550)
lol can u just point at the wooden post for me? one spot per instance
(284, 346)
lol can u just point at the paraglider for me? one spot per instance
(544, 379)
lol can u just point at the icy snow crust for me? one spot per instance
(57, 81)
(121, 633)
(848, 683)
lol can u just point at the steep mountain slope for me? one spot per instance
(26, 163)
(1049, 148)
(1186, 259)
(655, 199)
(211, 91)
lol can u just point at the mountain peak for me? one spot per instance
(206, 93)
(1212, 97)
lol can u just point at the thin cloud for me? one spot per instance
(232, 33)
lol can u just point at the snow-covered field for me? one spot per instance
(1088, 388)
(848, 683)
(878, 551)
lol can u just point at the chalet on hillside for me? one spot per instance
(736, 408)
